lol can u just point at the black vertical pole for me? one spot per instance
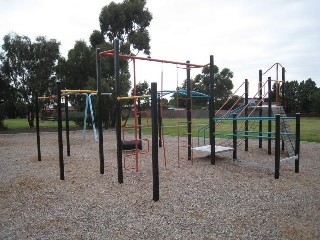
(283, 87)
(118, 109)
(159, 121)
(139, 117)
(269, 115)
(189, 100)
(283, 97)
(99, 103)
(277, 148)
(155, 162)
(66, 107)
(61, 163)
(212, 114)
(246, 126)
(235, 139)
(297, 148)
(260, 108)
(38, 127)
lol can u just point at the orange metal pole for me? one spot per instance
(110, 54)
(135, 116)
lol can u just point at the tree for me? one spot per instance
(4, 89)
(306, 90)
(29, 67)
(75, 71)
(292, 103)
(315, 101)
(299, 96)
(127, 21)
(223, 84)
(96, 39)
(142, 88)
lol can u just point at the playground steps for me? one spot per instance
(288, 139)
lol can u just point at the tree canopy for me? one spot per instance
(127, 21)
(201, 83)
(301, 97)
(29, 67)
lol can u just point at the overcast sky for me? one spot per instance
(243, 35)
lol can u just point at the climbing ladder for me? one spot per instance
(184, 147)
(287, 137)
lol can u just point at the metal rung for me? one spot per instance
(285, 160)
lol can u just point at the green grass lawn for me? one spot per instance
(22, 123)
(310, 127)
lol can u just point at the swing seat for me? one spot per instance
(131, 145)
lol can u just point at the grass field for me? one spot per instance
(22, 123)
(310, 127)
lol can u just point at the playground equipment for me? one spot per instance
(136, 144)
(290, 140)
(118, 98)
(154, 99)
(65, 94)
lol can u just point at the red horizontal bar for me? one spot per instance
(109, 54)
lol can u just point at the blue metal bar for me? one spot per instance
(246, 118)
(202, 128)
(85, 118)
(92, 118)
(242, 135)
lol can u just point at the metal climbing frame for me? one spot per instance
(115, 53)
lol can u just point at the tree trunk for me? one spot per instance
(31, 116)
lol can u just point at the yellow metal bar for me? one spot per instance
(43, 97)
(79, 91)
(133, 97)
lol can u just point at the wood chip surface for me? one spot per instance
(197, 200)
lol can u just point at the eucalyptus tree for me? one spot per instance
(223, 85)
(30, 67)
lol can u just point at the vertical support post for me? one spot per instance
(235, 139)
(61, 163)
(283, 97)
(118, 109)
(66, 107)
(246, 126)
(277, 148)
(297, 148)
(283, 91)
(212, 114)
(38, 126)
(260, 108)
(189, 100)
(155, 162)
(99, 103)
(135, 113)
(139, 117)
(159, 122)
(269, 115)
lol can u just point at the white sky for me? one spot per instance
(243, 35)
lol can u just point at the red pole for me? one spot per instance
(135, 116)
(110, 54)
